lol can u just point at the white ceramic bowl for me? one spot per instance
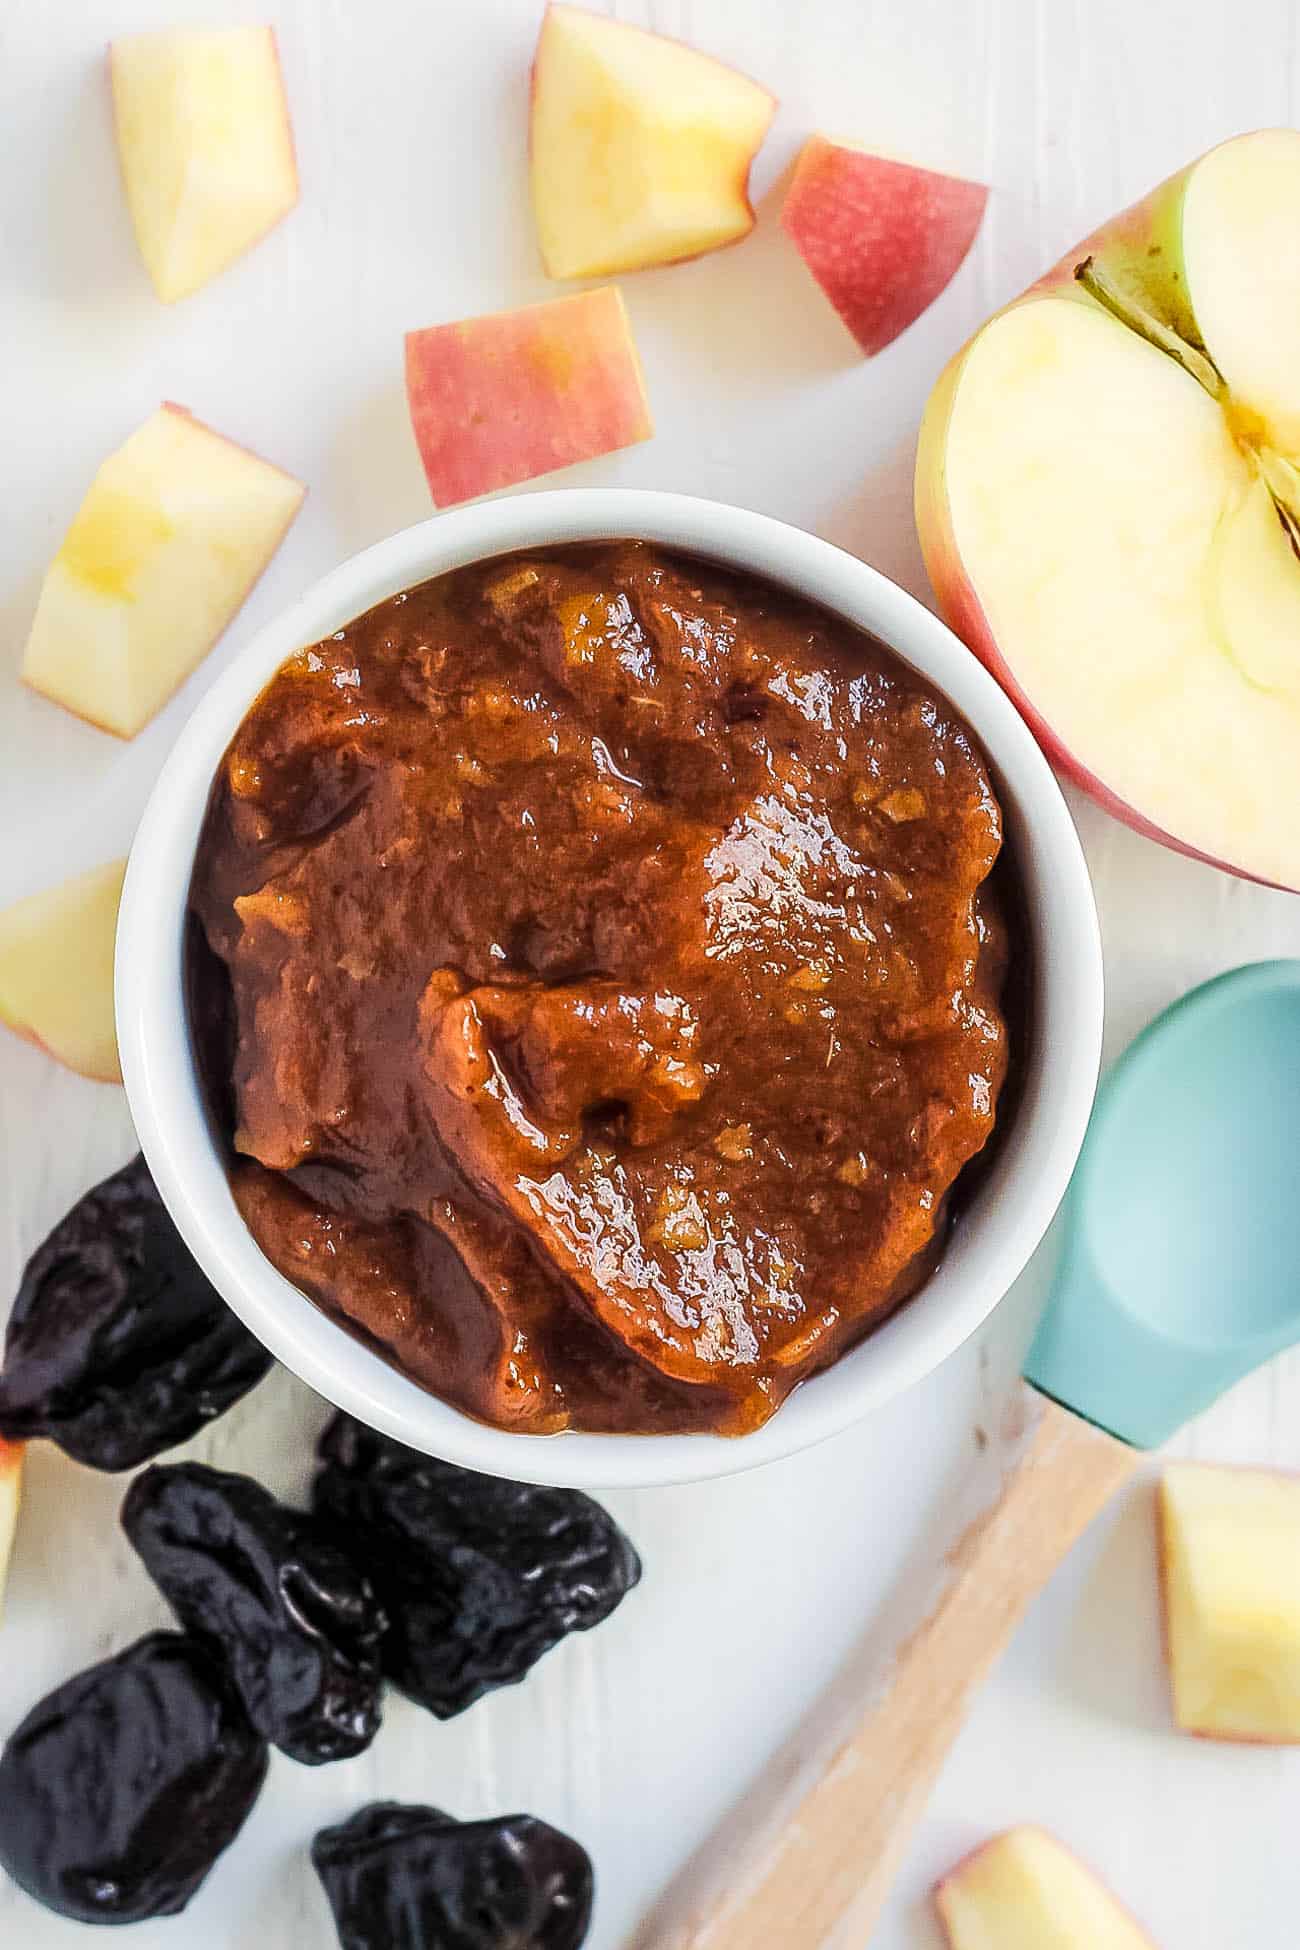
(997, 1233)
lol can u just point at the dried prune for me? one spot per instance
(117, 1346)
(120, 1790)
(403, 1878)
(296, 1622)
(479, 1576)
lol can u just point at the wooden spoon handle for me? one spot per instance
(831, 1865)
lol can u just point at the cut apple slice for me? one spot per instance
(177, 527)
(11, 1490)
(1230, 1559)
(206, 148)
(56, 970)
(1025, 1891)
(1107, 499)
(641, 147)
(501, 399)
(882, 238)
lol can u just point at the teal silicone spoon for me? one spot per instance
(1180, 1272)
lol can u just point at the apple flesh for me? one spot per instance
(1108, 498)
(56, 970)
(503, 398)
(177, 527)
(640, 147)
(882, 238)
(1025, 1891)
(11, 1489)
(1230, 1560)
(206, 147)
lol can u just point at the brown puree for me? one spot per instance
(611, 976)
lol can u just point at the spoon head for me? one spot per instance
(1181, 1261)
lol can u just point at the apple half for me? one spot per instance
(1230, 1563)
(11, 1490)
(177, 526)
(1108, 498)
(56, 970)
(205, 145)
(1024, 1890)
(640, 146)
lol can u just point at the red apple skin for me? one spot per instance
(882, 238)
(288, 119)
(973, 1855)
(504, 398)
(742, 179)
(958, 603)
(27, 1035)
(11, 1467)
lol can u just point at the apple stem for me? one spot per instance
(1154, 330)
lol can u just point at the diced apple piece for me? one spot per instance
(206, 147)
(503, 398)
(1230, 1560)
(640, 146)
(178, 525)
(56, 970)
(882, 238)
(1108, 498)
(11, 1490)
(1025, 1891)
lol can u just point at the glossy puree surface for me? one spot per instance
(598, 968)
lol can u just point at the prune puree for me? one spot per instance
(604, 970)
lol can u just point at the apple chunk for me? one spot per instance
(503, 398)
(11, 1489)
(1230, 1561)
(56, 970)
(640, 147)
(1025, 1891)
(1108, 495)
(205, 145)
(177, 527)
(882, 238)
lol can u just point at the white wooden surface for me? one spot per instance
(410, 119)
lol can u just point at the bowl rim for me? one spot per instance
(1013, 1206)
